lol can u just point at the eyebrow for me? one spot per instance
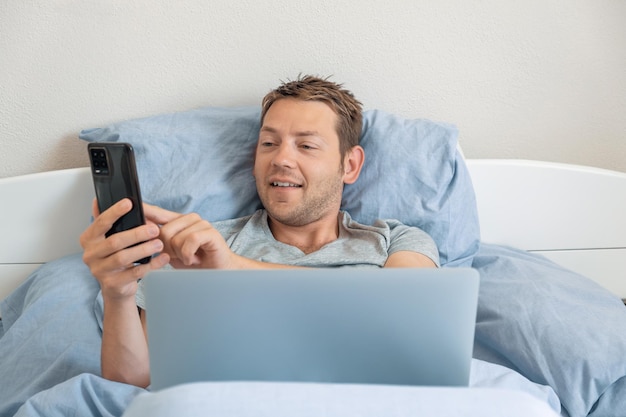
(299, 134)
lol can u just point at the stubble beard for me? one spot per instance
(313, 207)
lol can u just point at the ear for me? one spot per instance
(352, 164)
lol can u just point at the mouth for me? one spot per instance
(281, 184)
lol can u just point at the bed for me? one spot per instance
(548, 239)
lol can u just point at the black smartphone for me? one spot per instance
(114, 176)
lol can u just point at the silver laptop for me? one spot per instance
(398, 326)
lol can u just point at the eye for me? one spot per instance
(266, 142)
(308, 146)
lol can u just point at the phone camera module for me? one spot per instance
(99, 162)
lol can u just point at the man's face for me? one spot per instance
(298, 168)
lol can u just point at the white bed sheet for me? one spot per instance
(315, 400)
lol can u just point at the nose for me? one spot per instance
(284, 156)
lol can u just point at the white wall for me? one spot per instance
(539, 79)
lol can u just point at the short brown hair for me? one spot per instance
(340, 100)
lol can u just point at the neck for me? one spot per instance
(308, 238)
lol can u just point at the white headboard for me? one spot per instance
(526, 204)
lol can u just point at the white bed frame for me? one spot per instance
(573, 215)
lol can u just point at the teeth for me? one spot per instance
(284, 184)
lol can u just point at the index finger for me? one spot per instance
(159, 215)
(105, 220)
(95, 210)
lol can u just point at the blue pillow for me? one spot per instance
(194, 161)
(414, 172)
(201, 161)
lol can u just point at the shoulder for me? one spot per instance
(380, 225)
(397, 236)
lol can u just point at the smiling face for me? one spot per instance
(298, 168)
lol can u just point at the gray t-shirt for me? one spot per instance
(357, 244)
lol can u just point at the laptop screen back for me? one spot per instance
(342, 325)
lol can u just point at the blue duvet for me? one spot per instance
(546, 330)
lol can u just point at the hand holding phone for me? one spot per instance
(114, 176)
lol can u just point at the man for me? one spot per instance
(307, 150)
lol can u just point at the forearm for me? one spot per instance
(124, 356)
(241, 262)
(407, 259)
